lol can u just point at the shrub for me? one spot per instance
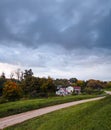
(2, 100)
(89, 90)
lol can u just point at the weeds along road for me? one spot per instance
(18, 118)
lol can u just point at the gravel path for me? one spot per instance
(108, 92)
(18, 118)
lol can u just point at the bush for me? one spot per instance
(12, 91)
(89, 90)
(42, 94)
(2, 100)
(51, 94)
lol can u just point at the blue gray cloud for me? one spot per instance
(56, 36)
(73, 23)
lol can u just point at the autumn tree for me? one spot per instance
(94, 84)
(81, 83)
(12, 91)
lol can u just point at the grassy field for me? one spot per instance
(11, 108)
(94, 115)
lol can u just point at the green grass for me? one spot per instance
(11, 108)
(108, 89)
(94, 115)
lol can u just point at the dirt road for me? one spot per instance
(18, 118)
(108, 92)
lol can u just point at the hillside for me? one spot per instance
(89, 116)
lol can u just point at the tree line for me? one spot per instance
(23, 84)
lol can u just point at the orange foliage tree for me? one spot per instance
(12, 91)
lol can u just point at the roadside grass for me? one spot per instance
(11, 108)
(108, 89)
(94, 115)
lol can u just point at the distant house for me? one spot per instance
(70, 89)
(62, 92)
(77, 89)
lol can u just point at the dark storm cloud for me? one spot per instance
(105, 32)
(71, 24)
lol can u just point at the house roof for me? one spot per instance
(77, 87)
(64, 89)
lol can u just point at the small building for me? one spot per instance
(62, 92)
(70, 89)
(77, 89)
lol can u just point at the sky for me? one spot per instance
(57, 38)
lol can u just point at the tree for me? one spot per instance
(12, 91)
(31, 86)
(17, 73)
(94, 84)
(89, 90)
(62, 82)
(11, 75)
(108, 85)
(73, 80)
(28, 73)
(47, 85)
(81, 83)
(50, 85)
(3, 75)
(2, 81)
(20, 75)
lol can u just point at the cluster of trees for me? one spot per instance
(25, 84)
(90, 86)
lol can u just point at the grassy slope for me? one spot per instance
(11, 108)
(89, 116)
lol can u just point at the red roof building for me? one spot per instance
(77, 89)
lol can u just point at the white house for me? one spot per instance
(70, 89)
(62, 92)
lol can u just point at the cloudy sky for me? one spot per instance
(60, 38)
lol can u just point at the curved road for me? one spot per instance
(108, 92)
(18, 118)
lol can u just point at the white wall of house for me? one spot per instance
(67, 91)
(70, 89)
(62, 91)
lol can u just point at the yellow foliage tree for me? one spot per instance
(12, 91)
